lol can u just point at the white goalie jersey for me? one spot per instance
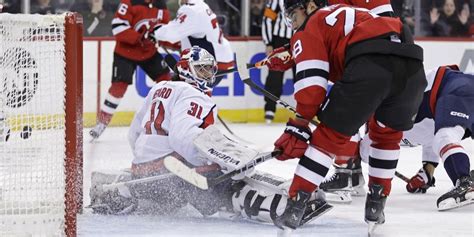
(196, 25)
(173, 114)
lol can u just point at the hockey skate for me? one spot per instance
(301, 211)
(344, 183)
(315, 208)
(374, 206)
(97, 131)
(462, 194)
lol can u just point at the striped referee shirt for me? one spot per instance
(273, 23)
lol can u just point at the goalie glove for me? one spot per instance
(294, 140)
(280, 59)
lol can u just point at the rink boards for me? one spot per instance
(236, 101)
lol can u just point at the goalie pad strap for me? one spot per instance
(274, 206)
(252, 210)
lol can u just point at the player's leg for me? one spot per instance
(395, 114)
(156, 68)
(351, 102)
(122, 76)
(274, 83)
(347, 179)
(453, 117)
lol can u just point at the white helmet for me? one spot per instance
(191, 2)
(198, 68)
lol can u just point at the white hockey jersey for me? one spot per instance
(173, 114)
(196, 24)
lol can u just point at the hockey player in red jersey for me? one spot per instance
(376, 77)
(379, 7)
(133, 20)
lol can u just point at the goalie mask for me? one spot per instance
(198, 68)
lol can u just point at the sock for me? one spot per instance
(457, 165)
(111, 102)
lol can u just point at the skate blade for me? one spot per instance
(316, 214)
(450, 204)
(359, 191)
(339, 197)
(372, 225)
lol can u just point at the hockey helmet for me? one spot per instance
(190, 2)
(198, 68)
(290, 5)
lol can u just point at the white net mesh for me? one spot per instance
(32, 125)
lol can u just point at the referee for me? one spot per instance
(275, 33)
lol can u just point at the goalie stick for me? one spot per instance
(112, 186)
(193, 177)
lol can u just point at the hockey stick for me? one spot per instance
(112, 186)
(225, 125)
(191, 176)
(245, 77)
(171, 61)
(264, 61)
(402, 177)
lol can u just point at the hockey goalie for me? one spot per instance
(176, 122)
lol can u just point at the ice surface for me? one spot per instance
(406, 214)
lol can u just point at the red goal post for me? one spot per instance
(40, 124)
(74, 122)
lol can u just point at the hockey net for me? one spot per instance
(40, 124)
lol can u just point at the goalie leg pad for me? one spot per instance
(257, 205)
(263, 197)
(116, 200)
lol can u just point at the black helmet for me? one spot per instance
(290, 5)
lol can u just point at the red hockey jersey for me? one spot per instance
(130, 18)
(320, 45)
(376, 6)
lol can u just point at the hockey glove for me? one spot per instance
(143, 38)
(294, 140)
(280, 60)
(154, 26)
(420, 182)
